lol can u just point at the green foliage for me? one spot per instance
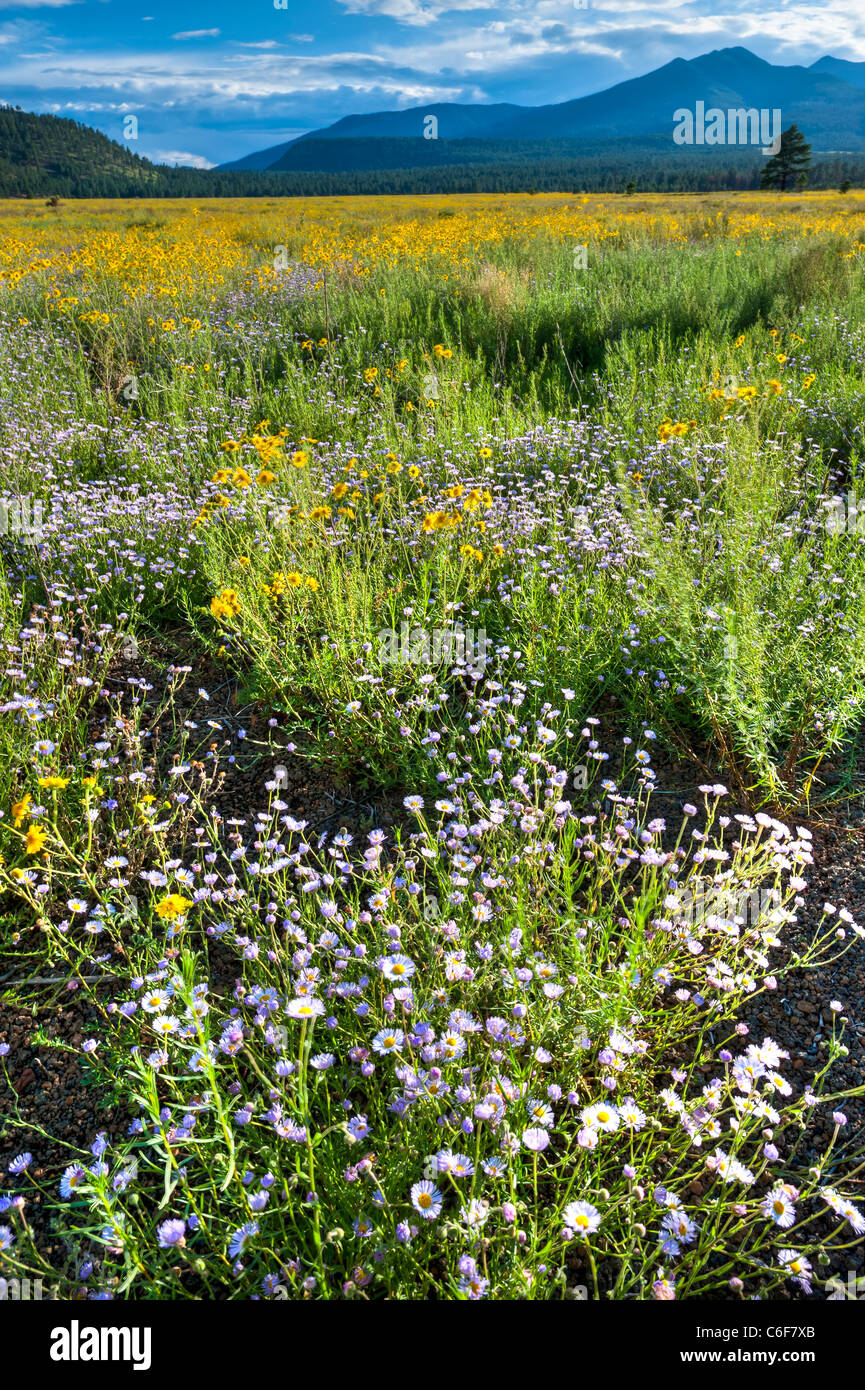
(516, 994)
(791, 161)
(42, 155)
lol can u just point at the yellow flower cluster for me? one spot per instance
(225, 605)
(281, 583)
(678, 430)
(440, 521)
(206, 247)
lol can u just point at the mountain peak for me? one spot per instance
(840, 68)
(822, 100)
(735, 51)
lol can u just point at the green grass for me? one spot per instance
(639, 535)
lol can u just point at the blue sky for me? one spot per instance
(209, 80)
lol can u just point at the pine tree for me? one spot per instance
(793, 157)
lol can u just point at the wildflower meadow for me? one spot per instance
(433, 644)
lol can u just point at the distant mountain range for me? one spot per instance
(600, 143)
(826, 101)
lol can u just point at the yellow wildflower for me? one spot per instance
(175, 905)
(226, 604)
(34, 840)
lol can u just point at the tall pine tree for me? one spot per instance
(793, 157)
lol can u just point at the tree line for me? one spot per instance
(50, 156)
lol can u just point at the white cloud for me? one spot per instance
(24, 31)
(190, 161)
(525, 51)
(416, 12)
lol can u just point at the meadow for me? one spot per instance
(524, 532)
